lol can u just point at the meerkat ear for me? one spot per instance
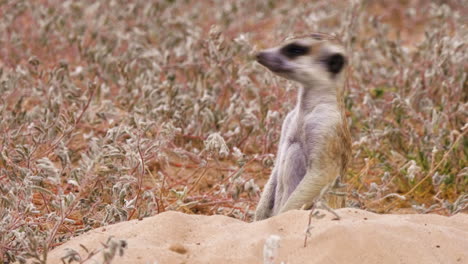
(335, 63)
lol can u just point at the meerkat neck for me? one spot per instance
(309, 97)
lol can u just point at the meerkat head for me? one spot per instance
(314, 59)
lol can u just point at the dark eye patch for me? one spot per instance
(294, 50)
(335, 63)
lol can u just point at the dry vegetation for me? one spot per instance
(113, 111)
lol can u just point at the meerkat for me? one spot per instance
(315, 144)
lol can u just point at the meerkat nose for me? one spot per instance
(260, 56)
(266, 59)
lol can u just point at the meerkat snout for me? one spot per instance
(273, 61)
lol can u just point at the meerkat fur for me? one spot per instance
(314, 145)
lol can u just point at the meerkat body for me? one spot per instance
(314, 146)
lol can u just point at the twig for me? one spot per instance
(140, 177)
(319, 203)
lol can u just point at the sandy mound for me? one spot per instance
(359, 237)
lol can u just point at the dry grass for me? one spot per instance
(113, 111)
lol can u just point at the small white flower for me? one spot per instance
(270, 249)
(215, 143)
(413, 169)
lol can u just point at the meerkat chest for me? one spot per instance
(309, 132)
(302, 140)
(293, 151)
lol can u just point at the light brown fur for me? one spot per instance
(315, 144)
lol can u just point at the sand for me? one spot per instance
(358, 237)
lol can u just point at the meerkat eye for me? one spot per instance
(335, 63)
(294, 50)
